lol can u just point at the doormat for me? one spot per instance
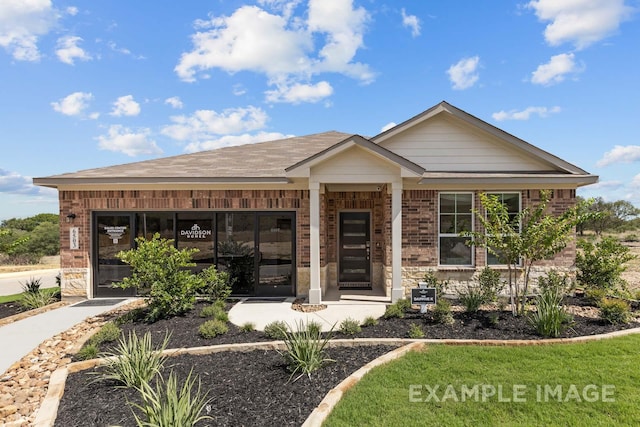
(258, 299)
(100, 302)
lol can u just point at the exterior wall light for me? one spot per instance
(71, 217)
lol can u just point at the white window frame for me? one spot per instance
(440, 235)
(498, 193)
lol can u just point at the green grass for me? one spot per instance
(16, 297)
(382, 398)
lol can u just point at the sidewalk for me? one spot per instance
(19, 338)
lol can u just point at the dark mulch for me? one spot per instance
(9, 309)
(253, 388)
(248, 389)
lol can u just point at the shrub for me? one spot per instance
(415, 331)
(550, 318)
(31, 286)
(108, 333)
(32, 300)
(490, 284)
(442, 312)
(305, 350)
(433, 282)
(595, 296)
(88, 351)
(314, 327)
(248, 327)
(276, 330)
(555, 282)
(213, 328)
(615, 311)
(158, 266)
(350, 326)
(600, 265)
(169, 405)
(215, 284)
(215, 312)
(472, 298)
(404, 304)
(393, 310)
(135, 361)
(493, 319)
(369, 321)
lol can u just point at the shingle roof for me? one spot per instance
(261, 160)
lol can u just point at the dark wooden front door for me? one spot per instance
(354, 263)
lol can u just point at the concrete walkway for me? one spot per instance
(21, 337)
(261, 312)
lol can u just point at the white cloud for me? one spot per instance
(22, 22)
(556, 69)
(412, 22)
(232, 140)
(238, 89)
(71, 10)
(208, 124)
(388, 126)
(125, 106)
(14, 183)
(635, 183)
(298, 93)
(175, 102)
(279, 45)
(463, 74)
(525, 114)
(73, 104)
(580, 22)
(620, 154)
(124, 140)
(68, 51)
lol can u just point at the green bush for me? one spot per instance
(350, 326)
(108, 333)
(369, 321)
(31, 286)
(33, 300)
(472, 298)
(555, 282)
(601, 265)
(135, 361)
(314, 327)
(490, 284)
(595, 296)
(615, 311)
(442, 312)
(248, 327)
(305, 350)
(415, 331)
(213, 328)
(276, 330)
(404, 304)
(215, 284)
(550, 318)
(169, 405)
(393, 311)
(493, 319)
(158, 266)
(88, 351)
(215, 312)
(433, 282)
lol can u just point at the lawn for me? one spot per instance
(17, 297)
(593, 384)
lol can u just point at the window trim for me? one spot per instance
(440, 235)
(486, 251)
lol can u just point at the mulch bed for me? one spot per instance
(254, 389)
(8, 309)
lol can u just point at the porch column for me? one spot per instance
(315, 291)
(396, 242)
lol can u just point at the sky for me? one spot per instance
(87, 84)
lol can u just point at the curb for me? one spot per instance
(49, 409)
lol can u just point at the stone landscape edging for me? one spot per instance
(49, 409)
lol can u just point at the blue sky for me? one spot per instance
(88, 84)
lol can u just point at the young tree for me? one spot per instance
(531, 236)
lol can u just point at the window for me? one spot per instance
(455, 215)
(512, 202)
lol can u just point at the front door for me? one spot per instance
(113, 234)
(354, 263)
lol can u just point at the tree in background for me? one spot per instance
(26, 240)
(612, 216)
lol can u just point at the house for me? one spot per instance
(302, 215)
